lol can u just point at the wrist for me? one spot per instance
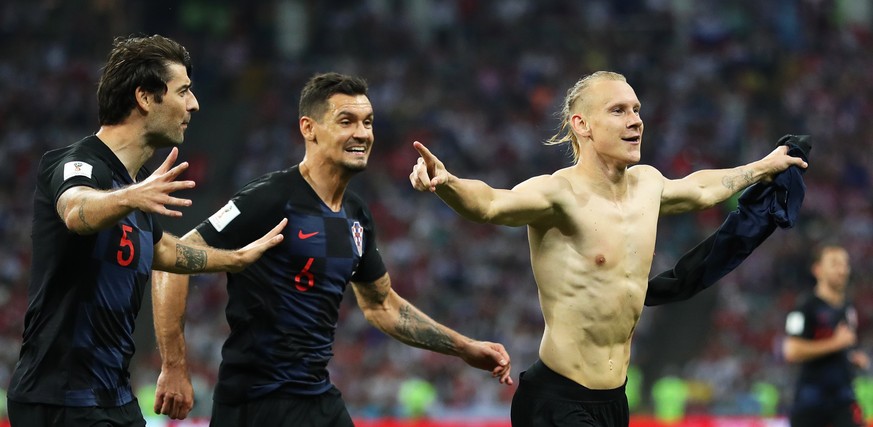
(124, 197)
(175, 364)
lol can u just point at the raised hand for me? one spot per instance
(429, 172)
(153, 193)
(778, 160)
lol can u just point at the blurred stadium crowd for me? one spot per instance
(479, 82)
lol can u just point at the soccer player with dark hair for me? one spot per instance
(283, 310)
(96, 240)
(821, 336)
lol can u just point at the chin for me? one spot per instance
(356, 167)
(165, 141)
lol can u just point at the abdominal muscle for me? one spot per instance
(591, 303)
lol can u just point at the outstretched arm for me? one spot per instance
(187, 256)
(706, 188)
(87, 210)
(396, 317)
(476, 200)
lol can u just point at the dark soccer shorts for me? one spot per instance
(41, 415)
(324, 410)
(546, 398)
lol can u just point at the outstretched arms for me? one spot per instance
(476, 200)
(187, 257)
(396, 317)
(706, 188)
(87, 210)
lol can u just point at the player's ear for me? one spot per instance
(307, 128)
(580, 125)
(143, 98)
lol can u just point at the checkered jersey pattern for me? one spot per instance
(283, 309)
(85, 291)
(827, 379)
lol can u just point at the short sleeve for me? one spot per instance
(246, 217)
(795, 324)
(78, 168)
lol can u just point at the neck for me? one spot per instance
(130, 147)
(610, 179)
(328, 183)
(829, 295)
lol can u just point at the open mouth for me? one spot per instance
(632, 139)
(356, 150)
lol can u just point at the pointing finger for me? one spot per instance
(426, 155)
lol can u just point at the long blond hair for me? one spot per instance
(574, 97)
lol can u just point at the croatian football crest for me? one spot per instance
(358, 235)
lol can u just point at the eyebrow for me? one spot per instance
(633, 104)
(347, 113)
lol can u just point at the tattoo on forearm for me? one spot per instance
(189, 258)
(422, 332)
(741, 179)
(88, 228)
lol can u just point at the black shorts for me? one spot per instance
(42, 415)
(835, 415)
(324, 410)
(545, 398)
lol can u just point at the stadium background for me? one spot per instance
(479, 82)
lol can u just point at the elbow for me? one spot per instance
(477, 217)
(381, 315)
(707, 201)
(75, 226)
(377, 318)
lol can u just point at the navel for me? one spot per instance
(600, 259)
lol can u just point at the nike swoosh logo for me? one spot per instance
(304, 236)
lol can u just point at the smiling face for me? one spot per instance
(608, 120)
(168, 118)
(343, 135)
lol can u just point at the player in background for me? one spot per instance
(821, 338)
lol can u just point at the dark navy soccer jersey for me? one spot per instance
(283, 309)
(85, 291)
(829, 378)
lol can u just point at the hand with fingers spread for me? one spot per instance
(251, 252)
(174, 396)
(153, 193)
(429, 172)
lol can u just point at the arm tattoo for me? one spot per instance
(421, 332)
(61, 207)
(738, 181)
(88, 227)
(373, 294)
(190, 259)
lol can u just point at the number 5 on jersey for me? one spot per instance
(124, 246)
